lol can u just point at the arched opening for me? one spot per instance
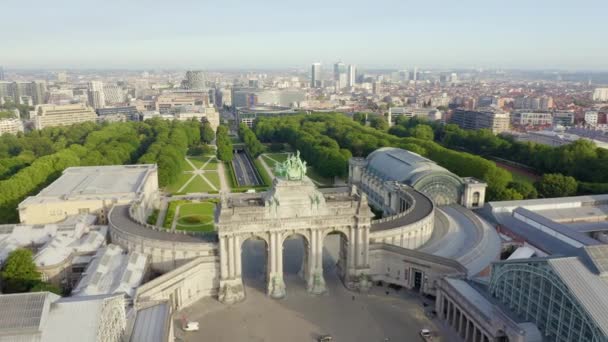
(335, 258)
(254, 258)
(476, 199)
(295, 260)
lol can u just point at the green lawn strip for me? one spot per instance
(214, 178)
(186, 166)
(271, 163)
(171, 212)
(197, 185)
(279, 157)
(211, 165)
(312, 174)
(197, 217)
(198, 161)
(266, 179)
(181, 180)
(519, 177)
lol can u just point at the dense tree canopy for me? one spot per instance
(254, 146)
(28, 162)
(224, 144)
(556, 185)
(19, 273)
(207, 133)
(327, 141)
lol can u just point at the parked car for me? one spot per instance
(191, 326)
(426, 334)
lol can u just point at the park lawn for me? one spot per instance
(214, 178)
(171, 208)
(211, 165)
(181, 180)
(198, 185)
(271, 163)
(280, 157)
(322, 181)
(198, 217)
(523, 178)
(197, 161)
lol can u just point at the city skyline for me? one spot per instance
(389, 34)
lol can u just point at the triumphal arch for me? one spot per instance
(294, 206)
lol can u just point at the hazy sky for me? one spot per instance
(271, 33)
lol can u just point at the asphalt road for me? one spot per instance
(244, 170)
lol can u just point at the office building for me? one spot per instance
(63, 115)
(248, 115)
(165, 102)
(223, 97)
(2, 77)
(114, 94)
(11, 125)
(96, 95)
(533, 102)
(29, 93)
(62, 77)
(340, 75)
(352, 75)
(118, 114)
(563, 118)
(248, 97)
(600, 94)
(591, 117)
(315, 75)
(467, 119)
(199, 113)
(524, 119)
(195, 80)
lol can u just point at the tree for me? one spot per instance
(44, 287)
(224, 145)
(207, 134)
(527, 190)
(379, 122)
(359, 117)
(556, 185)
(19, 273)
(424, 132)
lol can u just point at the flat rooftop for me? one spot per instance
(93, 182)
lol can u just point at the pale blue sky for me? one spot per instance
(277, 34)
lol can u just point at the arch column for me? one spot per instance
(316, 282)
(231, 282)
(276, 285)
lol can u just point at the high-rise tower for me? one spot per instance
(315, 75)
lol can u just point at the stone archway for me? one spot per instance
(298, 243)
(254, 262)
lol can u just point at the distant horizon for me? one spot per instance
(300, 68)
(275, 34)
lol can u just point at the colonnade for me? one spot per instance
(353, 269)
(466, 327)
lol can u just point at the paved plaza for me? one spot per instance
(347, 316)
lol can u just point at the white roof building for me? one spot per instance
(113, 270)
(57, 246)
(92, 189)
(46, 317)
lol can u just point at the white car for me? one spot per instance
(191, 326)
(426, 334)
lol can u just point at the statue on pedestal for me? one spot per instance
(291, 169)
